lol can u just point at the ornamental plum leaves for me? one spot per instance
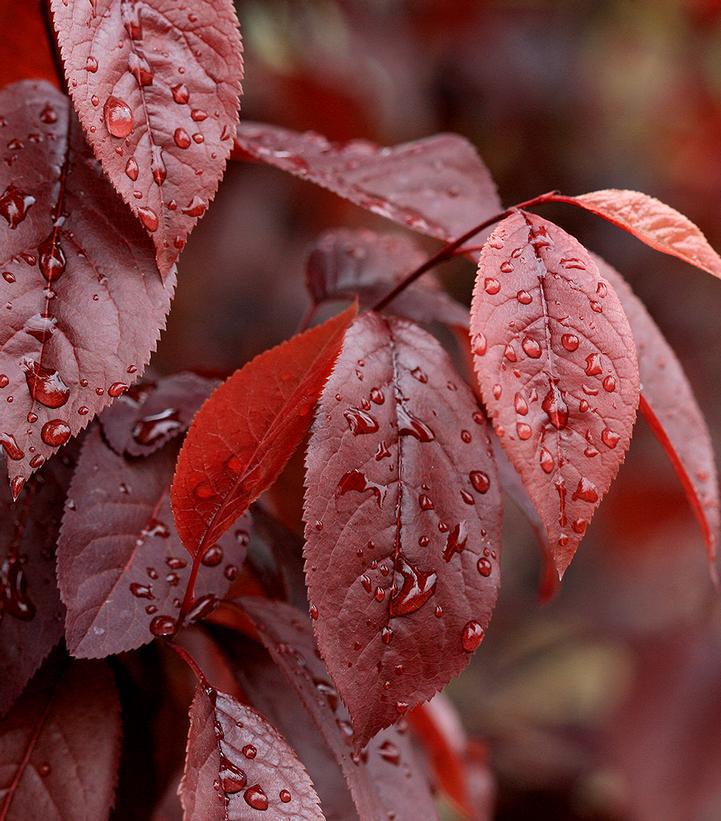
(156, 87)
(402, 514)
(85, 301)
(556, 364)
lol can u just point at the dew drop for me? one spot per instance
(285, 796)
(546, 460)
(480, 481)
(118, 117)
(213, 557)
(586, 491)
(491, 286)
(182, 138)
(413, 588)
(14, 205)
(609, 438)
(180, 93)
(555, 408)
(163, 626)
(45, 385)
(593, 364)
(360, 422)
(149, 218)
(531, 347)
(569, 342)
(55, 433)
(472, 636)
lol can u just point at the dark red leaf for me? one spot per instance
(149, 415)
(25, 54)
(245, 433)
(31, 614)
(86, 301)
(156, 87)
(402, 516)
(651, 221)
(438, 186)
(670, 408)
(557, 368)
(237, 765)
(60, 746)
(345, 264)
(121, 565)
(384, 778)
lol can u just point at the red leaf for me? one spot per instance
(60, 746)
(87, 304)
(651, 221)
(670, 408)
(438, 186)
(32, 614)
(245, 433)
(156, 88)
(345, 264)
(26, 51)
(121, 564)
(237, 764)
(402, 516)
(149, 415)
(384, 778)
(557, 368)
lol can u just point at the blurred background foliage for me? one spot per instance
(605, 703)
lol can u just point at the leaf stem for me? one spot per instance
(449, 249)
(191, 662)
(189, 596)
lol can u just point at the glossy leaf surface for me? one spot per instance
(653, 222)
(121, 566)
(85, 301)
(402, 516)
(156, 87)
(237, 766)
(247, 430)
(438, 186)
(556, 363)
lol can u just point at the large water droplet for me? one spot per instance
(358, 481)
(413, 588)
(55, 433)
(360, 421)
(256, 798)
(14, 205)
(410, 425)
(118, 117)
(555, 408)
(472, 636)
(45, 385)
(586, 491)
(11, 447)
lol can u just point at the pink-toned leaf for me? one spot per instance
(121, 566)
(238, 765)
(86, 302)
(31, 620)
(156, 86)
(345, 264)
(148, 415)
(670, 408)
(653, 222)
(60, 746)
(557, 367)
(438, 185)
(384, 778)
(247, 430)
(402, 515)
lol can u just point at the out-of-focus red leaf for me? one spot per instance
(156, 86)
(25, 54)
(402, 516)
(121, 566)
(461, 771)
(653, 222)
(670, 408)
(345, 264)
(60, 746)
(384, 778)
(149, 415)
(665, 738)
(85, 301)
(31, 614)
(246, 431)
(237, 765)
(556, 363)
(438, 185)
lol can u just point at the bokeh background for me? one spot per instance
(606, 702)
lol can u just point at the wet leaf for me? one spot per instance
(402, 515)
(121, 566)
(345, 264)
(60, 746)
(557, 367)
(438, 186)
(247, 430)
(156, 87)
(85, 301)
(651, 221)
(384, 778)
(31, 620)
(150, 414)
(238, 765)
(670, 408)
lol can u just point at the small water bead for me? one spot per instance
(360, 422)
(586, 491)
(583, 406)
(386, 635)
(55, 433)
(420, 375)
(182, 138)
(593, 364)
(609, 384)
(497, 391)
(256, 798)
(609, 438)
(196, 207)
(141, 591)
(213, 557)
(37, 461)
(8, 277)
(51, 260)
(531, 347)
(91, 64)
(485, 568)
(313, 612)
(11, 448)
(479, 344)
(510, 353)
(117, 389)
(14, 205)
(163, 626)
(491, 286)
(131, 169)
(466, 436)
(44, 770)
(524, 297)
(480, 481)
(579, 526)
(149, 218)
(425, 502)
(546, 460)
(472, 636)
(180, 93)
(524, 431)
(118, 117)
(249, 751)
